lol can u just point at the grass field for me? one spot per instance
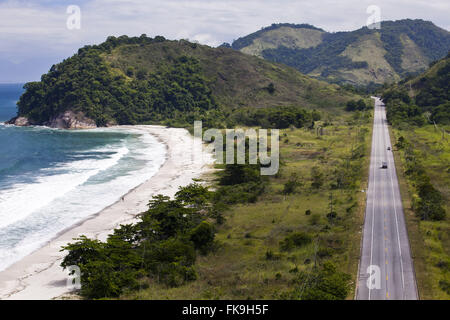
(248, 262)
(430, 241)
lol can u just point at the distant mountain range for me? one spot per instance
(361, 57)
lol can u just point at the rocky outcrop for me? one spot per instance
(66, 120)
(111, 123)
(71, 120)
(19, 121)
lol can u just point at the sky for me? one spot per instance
(34, 35)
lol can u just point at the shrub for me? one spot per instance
(292, 184)
(445, 286)
(296, 239)
(130, 72)
(314, 219)
(354, 105)
(322, 283)
(239, 173)
(317, 178)
(203, 237)
(241, 193)
(324, 252)
(429, 204)
(99, 280)
(270, 255)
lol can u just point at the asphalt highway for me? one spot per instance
(386, 269)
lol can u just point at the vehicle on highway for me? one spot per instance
(384, 165)
(389, 148)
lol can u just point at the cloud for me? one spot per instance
(33, 30)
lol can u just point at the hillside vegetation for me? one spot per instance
(143, 80)
(360, 57)
(422, 99)
(419, 110)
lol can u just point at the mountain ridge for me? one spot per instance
(360, 57)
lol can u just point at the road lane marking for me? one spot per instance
(383, 195)
(395, 209)
(374, 146)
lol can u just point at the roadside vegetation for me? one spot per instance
(418, 110)
(423, 157)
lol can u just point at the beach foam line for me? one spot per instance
(21, 200)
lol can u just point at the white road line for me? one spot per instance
(384, 222)
(396, 217)
(374, 143)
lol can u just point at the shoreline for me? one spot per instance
(38, 276)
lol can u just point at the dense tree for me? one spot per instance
(358, 105)
(203, 237)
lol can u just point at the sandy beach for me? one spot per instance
(39, 276)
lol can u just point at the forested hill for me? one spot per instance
(422, 99)
(130, 80)
(360, 57)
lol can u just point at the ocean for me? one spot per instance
(52, 179)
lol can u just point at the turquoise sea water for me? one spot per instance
(9, 94)
(52, 179)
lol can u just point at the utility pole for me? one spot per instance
(331, 201)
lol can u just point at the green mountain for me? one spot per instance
(361, 57)
(143, 80)
(423, 98)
